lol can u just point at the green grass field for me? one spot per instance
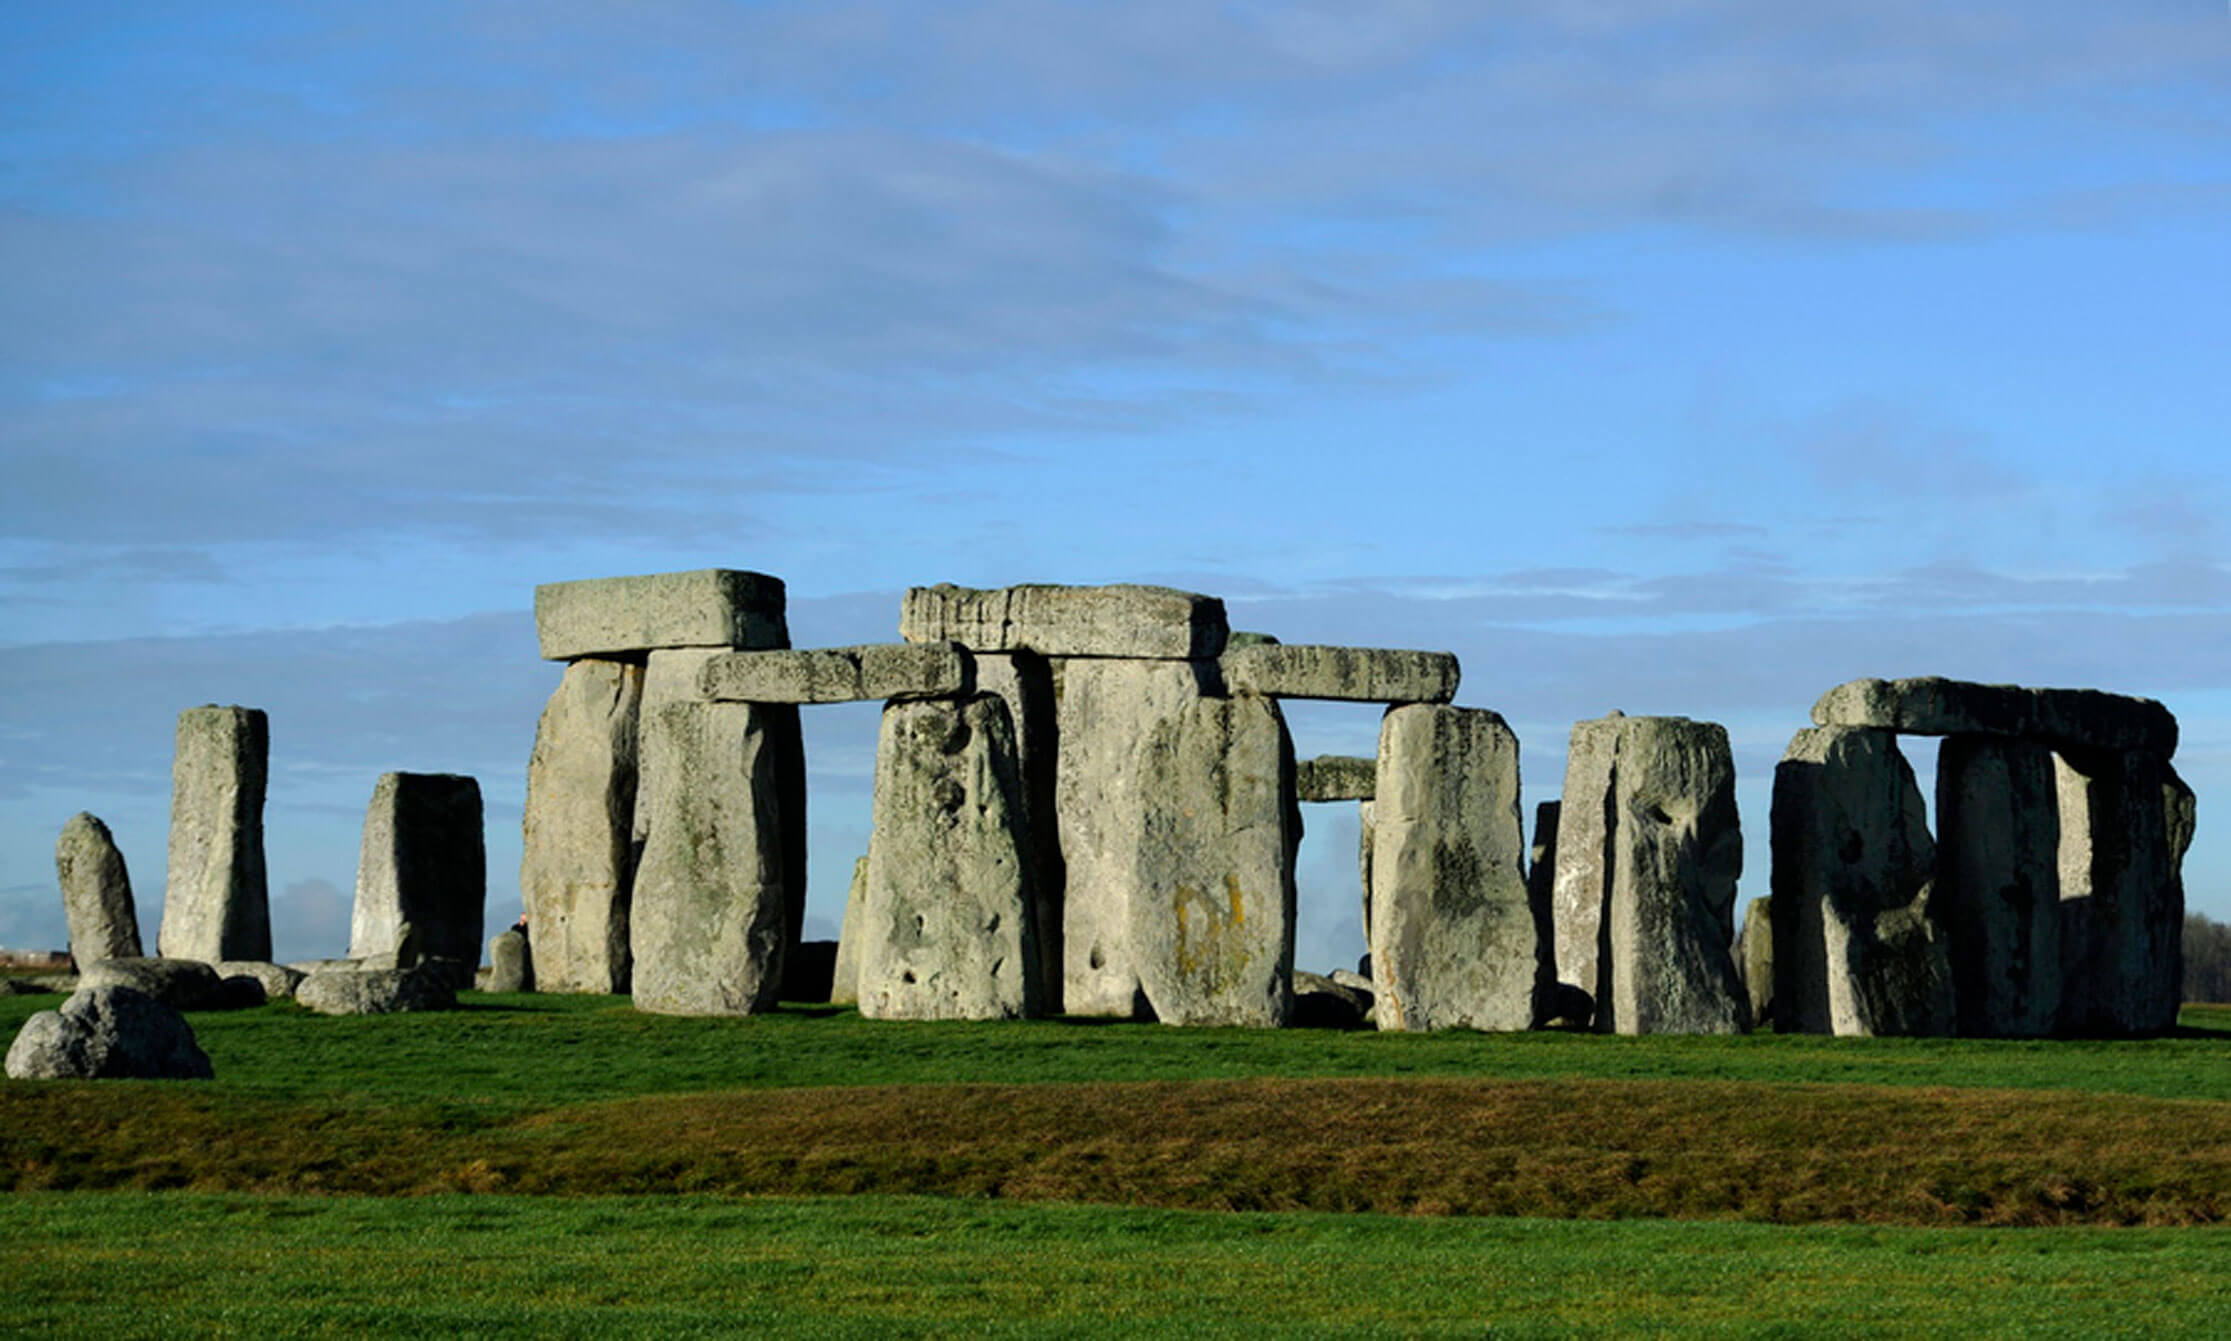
(568, 1165)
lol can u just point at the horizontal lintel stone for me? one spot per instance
(613, 616)
(876, 672)
(1349, 674)
(1154, 623)
(1336, 777)
(1933, 706)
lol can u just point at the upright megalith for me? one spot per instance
(1675, 849)
(574, 875)
(1024, 682)
(1108, 621)
(1998, 884)
(1211, 910)
(1579, 884)
(424, 862)
(1754, 955)
(511, 966)
(945, 928)
(1454, 940)
(622, 617)
(709, 920)
(2125, 819)
(844, 975)
(96, 892)
(1857, 945)
(215, 904)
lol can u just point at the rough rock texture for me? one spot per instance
(424, 861)
(181, 984)
(2125, 818)
(276, 980)
(1857, 946)
(844, 975)
(711, 921)
(1336, 777)
(1112, 621)
(1367, 837)
(1998, 884)
(1327, 1003)
(1212, 902)
(511, 966)
(614, 616)
(215, 905)
(1024, 682)
(1351, 674)
(1754, 954)
(107, 1033)
(1580, 886)
(878, 671)
(96, 892)
(376, 991)
(1931, 706)
(574, 872)
(946, 931)
(1675, 852)
(1454, 942)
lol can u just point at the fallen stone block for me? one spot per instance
(1932, 706)
(276, 981)
(2125, 821)
(424, 863)
(107, 1033)
(1857, 946)
(96, 892)
(377, 991)
(1454, 941)
(216, 904)
(1998, 884)
(876, 672)
(1327, 1003)
(1336, 777)
(181, 984)
(621, 616)
(574, 873)
(945, 930)
(1109, 621)
(1347, 674)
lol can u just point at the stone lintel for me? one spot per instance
(878, 672)
(1155, 623)
(1336, 777)
(1345, 674)
(1934, 706)
(619, 616)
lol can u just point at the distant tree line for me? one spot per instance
(2207, 959)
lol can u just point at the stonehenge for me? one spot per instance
(215, 905)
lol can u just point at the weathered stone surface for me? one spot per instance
(877, 671)
(1998, 884)
(1111, 621)
(511, 966)
(107, 1033)
(376, 991)
(616, 616)
(710, 918)
(1933, 706)
(1675, 853)
(1349, 674)
(1244, 638)
(1754, 954)
(1581, 882)
(1857, 945)
(1212, 911)
(276, 980)
(1336, 777)
(423, 861)
(216, 905)
(946, 931)
(2125, 817)
(96, 892)
(1367, 837)
(844, 975)
(1024, 682)
(1454, 942)
(181, 984)
(581, 785)
(1327, 1003)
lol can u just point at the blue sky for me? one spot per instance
(1676, 356)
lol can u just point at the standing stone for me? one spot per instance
(423, 863)
(1024, 682)
(216, 905)
(1581, 883)
(946, 930)
(510, 962)
(844, 978)
(1454, 941)
(1754, 953)
(1998, 884)
(96, 892)
(1676, 850)
(1857, 947)
(1367, 837)
(710, 921)
(2124, 819)
(1541, 867)
(1212, 906)
(575, 871)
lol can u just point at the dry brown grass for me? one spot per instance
(1788, 1153)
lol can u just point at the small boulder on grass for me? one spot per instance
(377, 991)
(108, 1033)
(181, 984)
